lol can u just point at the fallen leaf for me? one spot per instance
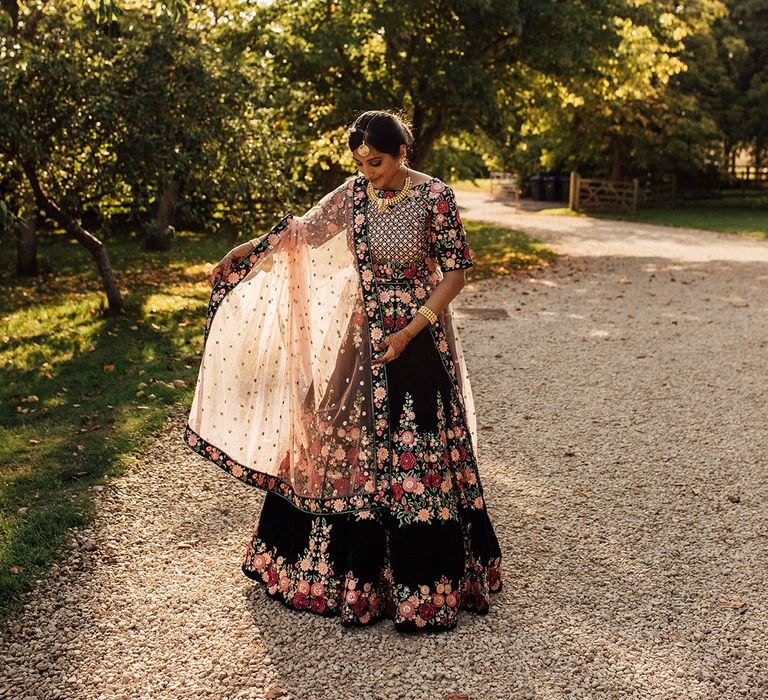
(735, 604)
(109, 368)
(581, 493)
(32, 441)
(277, 692)
(77, 475)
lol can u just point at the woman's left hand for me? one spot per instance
(395, 344)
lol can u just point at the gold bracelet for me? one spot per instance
(430, 315)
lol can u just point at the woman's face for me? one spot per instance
(380, 169)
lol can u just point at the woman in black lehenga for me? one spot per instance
(374, 507)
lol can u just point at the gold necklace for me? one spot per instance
(384, 202)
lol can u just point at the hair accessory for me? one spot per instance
(363, 149)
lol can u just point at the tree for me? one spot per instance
(628, 115)
(56, 124)
(442, 62)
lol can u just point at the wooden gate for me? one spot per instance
(592, 194)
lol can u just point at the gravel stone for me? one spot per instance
(621, 406)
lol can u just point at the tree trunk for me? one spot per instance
(166, 206)
(425, 135)
(12, 8)
(26, 244)
(158, 233)
(75, 230)
(619, 167)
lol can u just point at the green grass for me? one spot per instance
(83, 391)
(73, 406)
(479, 184)
(743, 214)
(499, 251)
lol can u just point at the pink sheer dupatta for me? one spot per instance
(284, 389)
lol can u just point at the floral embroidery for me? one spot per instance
(423, 477)
(433, 472)
(309, 583)
(436, 605)
(449, 236)
(312, 583)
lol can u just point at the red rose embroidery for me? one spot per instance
(435, 480)
(300, 601)
(317, 604)
(402, 322)
(427, 611)
(389, 322)
(443, 206)
(407, 460)
(342, 486)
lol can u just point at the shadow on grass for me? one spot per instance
(500, 251)
(72, 409)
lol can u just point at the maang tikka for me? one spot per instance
(363, 149)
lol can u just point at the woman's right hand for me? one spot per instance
(229, 262)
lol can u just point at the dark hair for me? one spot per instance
(387, 131)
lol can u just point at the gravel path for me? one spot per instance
(623, 448)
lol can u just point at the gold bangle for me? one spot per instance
(430, 315)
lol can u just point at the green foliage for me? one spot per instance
(442, 62)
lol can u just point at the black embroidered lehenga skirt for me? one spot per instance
(428, 553)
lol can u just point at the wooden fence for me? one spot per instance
(658, 191)
(592, 194)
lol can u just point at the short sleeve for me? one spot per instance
(450, 238)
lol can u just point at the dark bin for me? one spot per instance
(552, 188)
(537, 189)
(565, 188)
